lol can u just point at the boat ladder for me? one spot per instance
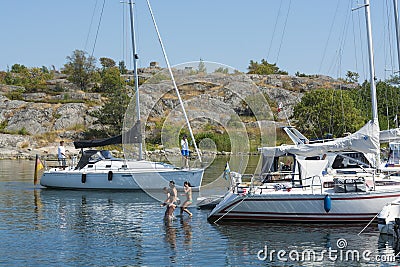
(316, 185)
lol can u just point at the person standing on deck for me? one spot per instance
(185, 151)
(61, 155)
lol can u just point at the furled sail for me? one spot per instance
(133, 135)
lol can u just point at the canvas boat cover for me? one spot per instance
(386, 136)
(365, 140)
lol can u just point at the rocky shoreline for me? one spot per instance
(36, 123)
(14, 147)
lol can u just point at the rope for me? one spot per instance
(231, 209)
(90, 26)
(273, 33)
(344, 118)
(283, 32)
(98, 27)
(173, 80)
(329, 36)
(368, 223)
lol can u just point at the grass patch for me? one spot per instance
(23, 131)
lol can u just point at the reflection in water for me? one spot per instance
(389, 245)
(89, 219)
(178, 235)
(170, 233)
(38, 208)
(187, 230)
(250, 238)
(107, 228)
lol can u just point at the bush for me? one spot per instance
(23, 131)
(222, 141)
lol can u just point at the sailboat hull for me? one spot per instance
(111, 175)
(302, 207)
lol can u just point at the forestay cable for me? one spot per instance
(98, 27)
(173, 80)
(90, 27)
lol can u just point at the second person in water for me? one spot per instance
(187, 187)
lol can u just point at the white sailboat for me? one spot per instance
(389, 219)
(392, 136)
(98, 169)
(389, 216)
(301, 190)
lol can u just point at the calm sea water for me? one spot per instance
(41, 227)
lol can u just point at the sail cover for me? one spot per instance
(133, 135)
(365, 140)
(386, 136)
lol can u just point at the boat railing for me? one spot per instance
(281, 176)
(242, 183)
(55, 163)
(250, 183)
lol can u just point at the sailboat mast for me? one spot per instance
(135, 73)
(396, 20)
(371, 62)
(374, 101)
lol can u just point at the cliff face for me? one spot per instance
(40, 120)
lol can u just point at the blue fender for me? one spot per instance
(327, 203)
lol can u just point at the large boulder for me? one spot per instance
(34, 118)
(70, 115)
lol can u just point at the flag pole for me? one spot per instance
(35, 175)
(38, 167)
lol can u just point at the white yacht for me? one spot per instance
(98, 169)
(296, 186)
(389, 219)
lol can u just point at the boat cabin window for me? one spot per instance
(350, 160)
(106, 154)
(282, 164)
(313, 158)
(394, 154)
(96, 157)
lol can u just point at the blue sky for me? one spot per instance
(317, 36)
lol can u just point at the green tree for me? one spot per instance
(388, 99)
(18, 68)
(201, 68)
(45, 69)
(111, 80)
(111, 115)
(394, 80)
(81, 69)
(33, 79)
(352, 76)
(107, 62)
(122, 67)
(222, 70)
(37, 78)
(264, 68)
(326, 111)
